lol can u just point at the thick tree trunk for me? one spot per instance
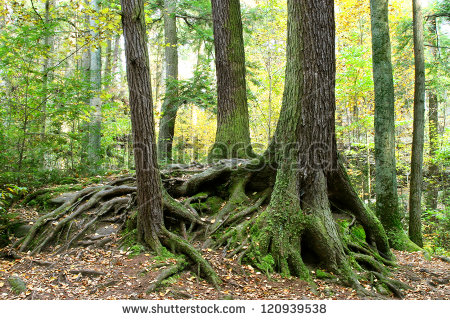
(415, 197)
(233, 133)
(316, 133)
(94, 145)
(150, 210)
(170, 105)
(298, 224)
(387, 208)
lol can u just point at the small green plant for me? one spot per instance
(136, 250)
(164, 255)
(320, 274)
(171, 280)
(266, 264)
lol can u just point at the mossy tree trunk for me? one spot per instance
(233, 133)
(170, 105)
(387, 208)
(298, 223)
(415, 197)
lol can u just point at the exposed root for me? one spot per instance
(369, 262)
(394, 286)
(105, 208)
(344, 196)
(355, 246)
(104, 193)
(87, 273)
(174, 242)
(237, 198)
(56, 214)
(166, 273)
(179, 210)
(296, 228)
(236, 218)
(193, 185)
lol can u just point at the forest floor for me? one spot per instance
(114, 274)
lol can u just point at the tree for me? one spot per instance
(298, 222)
(300, 176)
(150, 224)
(48, 42)
(233, 133)
(415, 198)
(170, 105)
(95, 124)
(150, 212)
(433, 123)
(385, 167)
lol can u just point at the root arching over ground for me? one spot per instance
(232, 205)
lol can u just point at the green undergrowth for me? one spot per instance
(9, 221)
(436, 231)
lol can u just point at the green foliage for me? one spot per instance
(320, 274)
(266, 264)
(164, 255)
(17, 285)
(136, 250)
(8, 194)
(436, 229)
(8, 221)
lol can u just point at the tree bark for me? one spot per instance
(233, 133)
(433, 117)
(385, 168)
(415, 197)
(48, 43)
(94, 145)
(170, 105)
(86, 71)
(298, 222)
(150, 210)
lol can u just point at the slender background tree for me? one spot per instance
(415, 197)
(171, 102)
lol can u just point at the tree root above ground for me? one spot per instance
(242, 225)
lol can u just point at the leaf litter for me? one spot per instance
(110, 274)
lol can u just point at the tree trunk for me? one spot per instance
(48, 43)
(387, 208)
(233, 133)
(94, 145)
(298, 224)
(415, 197)
(432, 196)
(170, 105)
(150, 212)
(86, 72)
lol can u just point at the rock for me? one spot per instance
(17, 285)
(107, 230)
(63, 198)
